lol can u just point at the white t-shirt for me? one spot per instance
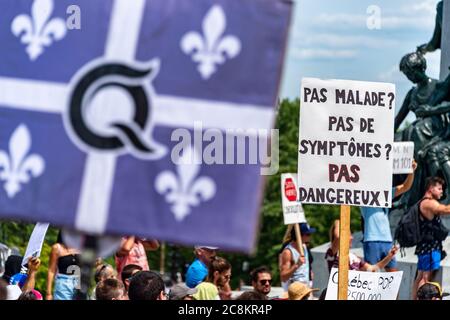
(13, 292)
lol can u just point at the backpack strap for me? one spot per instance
(420, 201)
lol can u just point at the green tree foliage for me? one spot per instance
(16, 235)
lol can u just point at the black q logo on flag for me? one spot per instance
(109, 109)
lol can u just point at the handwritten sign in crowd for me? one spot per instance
(402, 154)
(363, 285)
(345, 142)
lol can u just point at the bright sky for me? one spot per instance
(330, 39)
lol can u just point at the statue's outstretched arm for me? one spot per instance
(426, 110)
(435, 41)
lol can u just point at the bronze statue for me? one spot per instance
(414, 65)
(421, 132)
(430, 101)
(431, 136)
(437, 151)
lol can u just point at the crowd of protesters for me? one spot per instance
(208, 276)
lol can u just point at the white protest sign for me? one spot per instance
(345, 142)
(402, 157)
(36, 241)
(292, 209)
(363, 285)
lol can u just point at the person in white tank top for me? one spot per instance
(293, 267)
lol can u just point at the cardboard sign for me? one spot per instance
(36, 241)
(345, 142)
(363, 285)
(292, 208)
(402, 154)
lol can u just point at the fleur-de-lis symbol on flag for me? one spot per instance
(38, 30)
(185, 190)
(18, 167)
(213, 48)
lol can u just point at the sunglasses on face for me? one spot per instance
(263, 282)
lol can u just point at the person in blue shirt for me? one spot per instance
(377, 231)
(198, 270)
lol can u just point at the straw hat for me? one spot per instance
(430, 290)
(298, 290)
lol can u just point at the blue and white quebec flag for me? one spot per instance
(87, 114)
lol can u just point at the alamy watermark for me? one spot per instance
(373, 21)
(228, 147)
(75, 271)
(73, 21)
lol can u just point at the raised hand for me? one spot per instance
(414, 165)
(34, 264)
(393, 251)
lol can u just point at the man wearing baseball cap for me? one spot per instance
(198, 270)
(182, 292)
